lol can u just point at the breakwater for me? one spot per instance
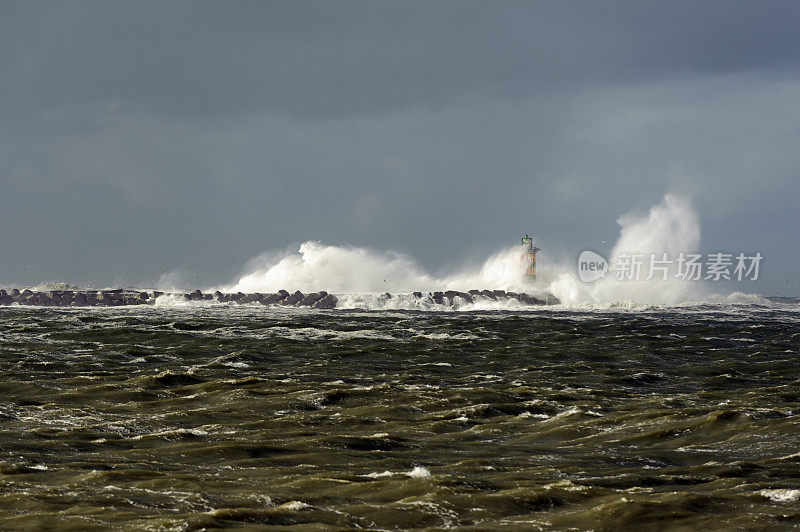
(322, 299)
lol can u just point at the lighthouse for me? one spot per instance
(529, 257)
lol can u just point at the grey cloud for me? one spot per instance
(334, 59)
(194, 136)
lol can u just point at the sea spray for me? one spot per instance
(670, 227)
(359, 275)
(339, 269)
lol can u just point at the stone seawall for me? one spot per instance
(122, 297)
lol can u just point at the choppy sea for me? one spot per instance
(210, 416)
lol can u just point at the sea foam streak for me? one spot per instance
(671, 227)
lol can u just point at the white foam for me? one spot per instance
(311, 333)
(293, 506)
(781, 495)
(527, 414)
(171, 432)
(379, 475)
(174, 300)
(419, 472)
(236, 364)
(565, 485)
(416, 472)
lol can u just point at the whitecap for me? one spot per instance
(781, 495)
(294, 506)
(419, 472)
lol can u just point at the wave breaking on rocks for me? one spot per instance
(320, 300)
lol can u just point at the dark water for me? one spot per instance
(330, 420)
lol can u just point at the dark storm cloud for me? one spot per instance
(338, 58)
(139, 135)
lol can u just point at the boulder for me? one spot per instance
(530, 300)
(327, 302)
(418, 295)
(250, 298)
(197, 295)
(294, 298)
(308, 300)
(452, 294)
(312, 298)
(489, 294)
(271, 299)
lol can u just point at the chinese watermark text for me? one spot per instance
(686, 266)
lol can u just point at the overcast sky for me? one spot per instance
(195, 135)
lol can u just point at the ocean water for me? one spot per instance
(204, 415)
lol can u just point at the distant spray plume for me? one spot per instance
(344, 269)
(671, 227)
(337, 269)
